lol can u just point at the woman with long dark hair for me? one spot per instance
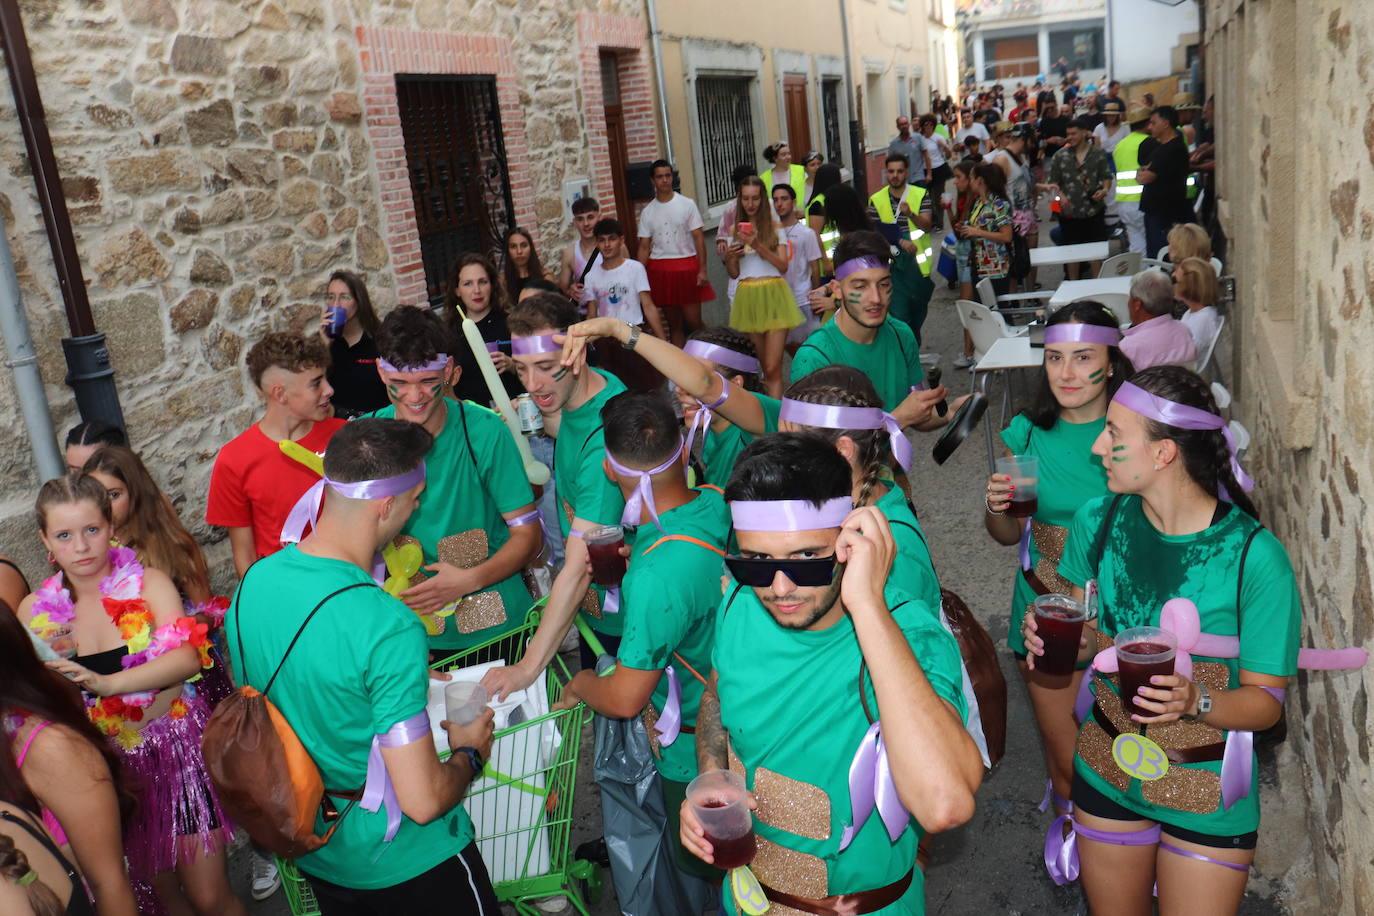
(989, 226)
(474, 291)
(1084, 366)
(519, 262)
(58, 767)
(352, 369)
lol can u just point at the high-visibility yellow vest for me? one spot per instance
(882, 202)
(796, 177)
(1126, 155)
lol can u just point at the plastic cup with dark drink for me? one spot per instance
(337, 317)
(1141, 653)
(603, 549)
(721, 804)
(1059, 624)
(1024, 471)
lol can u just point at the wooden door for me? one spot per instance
(616, 149)
(798, 116)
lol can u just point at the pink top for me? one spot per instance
(48, 820)
(1161, 341)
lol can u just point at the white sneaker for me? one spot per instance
(962, 362)
(266, 878)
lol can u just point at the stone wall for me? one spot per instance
(219, 159)
(1296, 166)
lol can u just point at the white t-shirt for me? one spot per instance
(976, 129)
(669, 227)
(805, 248)
(752, 264)
(934, 151)
(1107, 141)
(617, 291)
(1203, 325)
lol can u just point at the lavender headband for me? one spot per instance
(438, 364)
(1078, 332)
(643, 494)
(789, 514)
(527, 346)
(863, 262)
(1182, 416)
(307, 508)
(721, 355)
(834, 416)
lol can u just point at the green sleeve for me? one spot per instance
(503, 472)
(397, 678)
(807, 360)
(937, 651)
(592, 496)
(771, 408)
(1016, 436)
(911, 352)
(1270, 610)
(1076, 564)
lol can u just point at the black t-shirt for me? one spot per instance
(1168, 193)
(353, 376)
(1053, 127)
(471, 386)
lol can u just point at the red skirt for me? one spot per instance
(673, 282)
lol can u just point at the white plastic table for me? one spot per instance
(1069, 254)
(1071, 290)
(1004, 354)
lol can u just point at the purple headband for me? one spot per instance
(834, 416)
(438, 364)
(307, 508)
(702, 421)
(644, 490)
(1182, 416)
(1079, 332)
(789, 514)
(722, 355)
(526, 346)
(863, 262)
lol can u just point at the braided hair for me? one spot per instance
(1206, 456)
(14, 866)
(844, 386)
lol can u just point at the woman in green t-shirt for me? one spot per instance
(1083, 369)
(1179, 526)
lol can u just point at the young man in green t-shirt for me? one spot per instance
(666, 647)
(807, 621)
(476, 521)
(570, 404)
(863, 335)
(357, 673)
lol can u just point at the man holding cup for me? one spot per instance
(845, 786)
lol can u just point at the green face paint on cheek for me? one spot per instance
(435, 389)
(393, 391)
(1115, 456)
(1097, 376)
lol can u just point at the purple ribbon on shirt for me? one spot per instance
(643, 495)
(836, 416)
(871, 787)
(1182, 416)
(528, 346)
(529, 518)
(1081, 332)
(378, 792)
(702, 421)
(722, 356)
(307, 508)
(669, 724)
(438, 364)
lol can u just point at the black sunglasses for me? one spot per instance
(758, 572)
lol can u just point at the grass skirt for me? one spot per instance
(764, 304)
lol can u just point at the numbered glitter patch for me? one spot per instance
(1140, 757)
(748, 894)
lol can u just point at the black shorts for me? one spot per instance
(1090, 801)
(1077, 231)
(459, 884)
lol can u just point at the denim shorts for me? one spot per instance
(963, 255)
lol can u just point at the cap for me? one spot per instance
(1001, 127)
(1184, 101)
(1137, 114)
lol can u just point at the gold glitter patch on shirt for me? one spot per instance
(591, 602)
(1190, 789)
(485, 609)
(789, 871)
(650, 717)
(732, 763)
(1095, 747)
(1049, 541)
(792, 805)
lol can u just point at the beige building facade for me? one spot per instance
(1298, 217)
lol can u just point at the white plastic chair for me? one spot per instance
(1206, 357)
(1006, 304)
(1221, 395)
(1121, 265)
(1241, 435)
(1114, 301)
(984, 325)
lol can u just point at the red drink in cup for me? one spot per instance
(721, 805)
(1024, 471)
(1141, 653)
(603, 549)
(1059, 623)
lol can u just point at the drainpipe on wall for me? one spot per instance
(23, 361)
(856, 146)
(88, 359)
(658, 74)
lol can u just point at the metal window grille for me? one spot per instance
(830, 105)
(457, 161)
(726, 123)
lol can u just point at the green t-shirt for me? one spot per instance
(784, 716)
(583, 488)
(913, 571)
(719, 450)
(892, 362)
(359, 668)
(1070, 475)
(1142, 568)
(473, 475)
(662, 621)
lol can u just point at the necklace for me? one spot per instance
(121, 597)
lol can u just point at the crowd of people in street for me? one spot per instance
(772, 609)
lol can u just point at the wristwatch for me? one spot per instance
(1204, 703)
(634, 338)
(474, 757)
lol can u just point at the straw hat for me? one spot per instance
(1137, 115)
(1183, 101)
(1001, 127)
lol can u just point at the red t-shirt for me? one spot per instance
(254, 485)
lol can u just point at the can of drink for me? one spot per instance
(531, 420)
(338, 317)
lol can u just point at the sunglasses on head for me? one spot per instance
(759, 572)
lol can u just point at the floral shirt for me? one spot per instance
(1077, 183)
(990, 259)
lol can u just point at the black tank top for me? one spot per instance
(79, 904)
(107, 662)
